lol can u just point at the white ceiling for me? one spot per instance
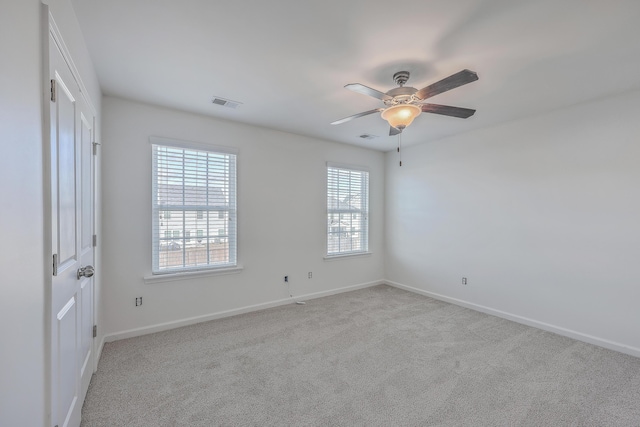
(288, 60)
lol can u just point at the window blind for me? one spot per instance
(347, 210)
(194, 209)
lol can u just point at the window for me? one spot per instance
(347, 210)
(191, 184)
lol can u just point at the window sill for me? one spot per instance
(350, 255)
(173, 277)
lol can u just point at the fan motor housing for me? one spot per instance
(402, 91)
(401, 95)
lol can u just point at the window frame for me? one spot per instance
(364, 194)
(231, 263)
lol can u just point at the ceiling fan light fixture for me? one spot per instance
(400, 116)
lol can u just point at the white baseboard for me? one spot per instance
(611, 345)
(130, 333)
(339, 290)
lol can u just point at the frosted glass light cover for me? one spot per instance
(401, 116)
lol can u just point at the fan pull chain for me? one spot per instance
(399, 144)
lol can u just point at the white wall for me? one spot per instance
(541, 215)
(24, 263)
(22, 322)
(281, 217)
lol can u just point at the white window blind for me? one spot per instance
(347, 210)
(194, 209)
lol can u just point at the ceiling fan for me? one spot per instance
(403, 104)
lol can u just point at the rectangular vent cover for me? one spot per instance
(226, 102)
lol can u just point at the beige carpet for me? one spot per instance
(374, 357)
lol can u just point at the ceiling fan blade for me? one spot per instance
(394, 131)
(366, 90)
(453, 81)
(447, 110)
(355, 116)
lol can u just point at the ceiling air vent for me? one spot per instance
(368, 136)
(226, 102)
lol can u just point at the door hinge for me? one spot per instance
(95, 331)
(53, 90)
(55, 264)
(95, 240)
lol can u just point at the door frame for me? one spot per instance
(49, 28)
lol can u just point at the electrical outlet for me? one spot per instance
(138, 301)
(310, 275)
(286, 279)
(464, 280)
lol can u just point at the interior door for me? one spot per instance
(72, 127)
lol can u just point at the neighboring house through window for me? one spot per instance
(194, 194)
(347, 210)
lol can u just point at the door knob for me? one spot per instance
(86, 271)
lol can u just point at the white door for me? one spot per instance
(72, 127)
